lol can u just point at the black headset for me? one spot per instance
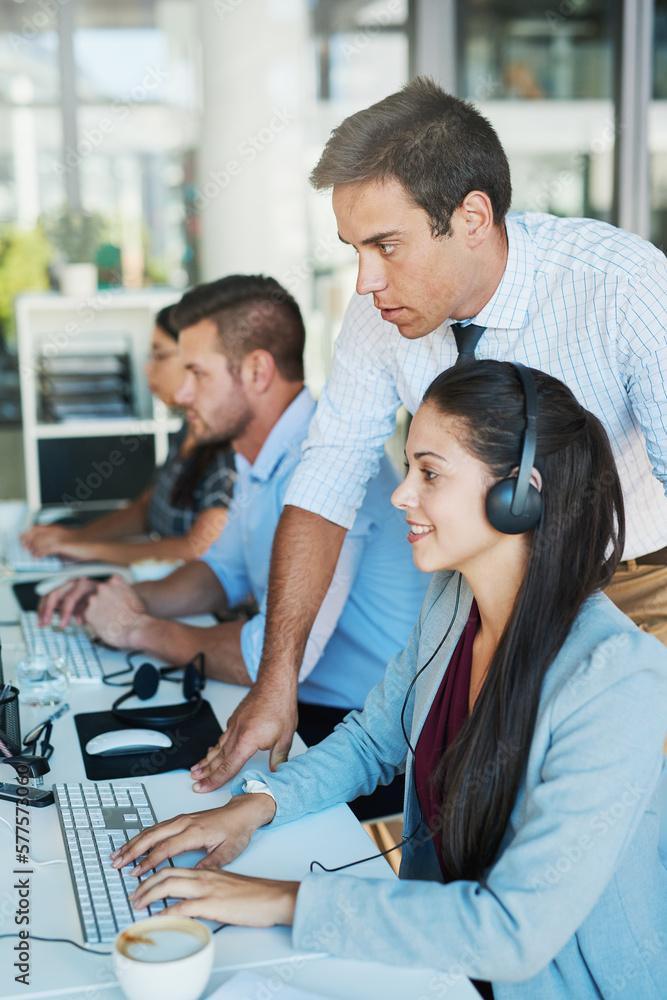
(145, 684)
(514, 505)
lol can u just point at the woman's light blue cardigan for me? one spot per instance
(576, 905)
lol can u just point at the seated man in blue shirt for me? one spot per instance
(241, 340)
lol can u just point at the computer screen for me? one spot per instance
(94, 471)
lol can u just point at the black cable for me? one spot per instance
(36, 937)
(428, 663)
(126, 670)
(371, 857)
(163, 676)
(404, 840)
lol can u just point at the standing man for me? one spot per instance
(421, 188)
(241, 341)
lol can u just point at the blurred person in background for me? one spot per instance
(183, 510)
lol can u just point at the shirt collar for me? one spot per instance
(286, 434)
(508, 306)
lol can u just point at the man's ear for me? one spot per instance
(258, 370)
(477, 214)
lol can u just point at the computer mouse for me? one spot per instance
(121, 741)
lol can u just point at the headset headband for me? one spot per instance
(529, 441)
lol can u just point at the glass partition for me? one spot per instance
(542, 73)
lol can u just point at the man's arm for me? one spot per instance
(305, 552)
(356, 413)
(121, 618)
(193, 589)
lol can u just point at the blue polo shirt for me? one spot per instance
(376, 593)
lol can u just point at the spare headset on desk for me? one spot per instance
(145, 684)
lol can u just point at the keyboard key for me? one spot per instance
(83, 663)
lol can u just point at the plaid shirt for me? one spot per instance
(214, 489)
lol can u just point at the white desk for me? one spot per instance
(333, 837)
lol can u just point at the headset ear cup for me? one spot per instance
(499, 504)
(191, 682)
(146, 681)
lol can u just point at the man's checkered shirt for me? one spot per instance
(579, 299)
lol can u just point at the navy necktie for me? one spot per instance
(467, 338)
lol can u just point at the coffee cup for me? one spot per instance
(163, 958)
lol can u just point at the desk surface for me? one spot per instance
(333, 837)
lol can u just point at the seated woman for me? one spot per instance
(186, 504)
(528, 712)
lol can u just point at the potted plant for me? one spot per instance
(77, 235)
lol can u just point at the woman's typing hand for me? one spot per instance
(224, 833)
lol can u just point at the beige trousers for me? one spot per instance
(641, 593)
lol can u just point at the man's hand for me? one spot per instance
(71, 600)
(266, 719)
(115, 611)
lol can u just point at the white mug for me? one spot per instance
(163, 958)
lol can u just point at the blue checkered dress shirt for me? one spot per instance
(579, 299)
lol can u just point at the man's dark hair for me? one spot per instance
(251, 312)
(438, 147)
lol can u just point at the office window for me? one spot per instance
(138, 117)
(30, 121)
(135, 168)
(658, 129)
(542, 73)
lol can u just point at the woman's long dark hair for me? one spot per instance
(574, 550)
(201, 457)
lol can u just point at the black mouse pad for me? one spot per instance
(28, 598)
(190, 742)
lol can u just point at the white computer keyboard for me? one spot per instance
(83, 663)
(23, 561)
(96, 818)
